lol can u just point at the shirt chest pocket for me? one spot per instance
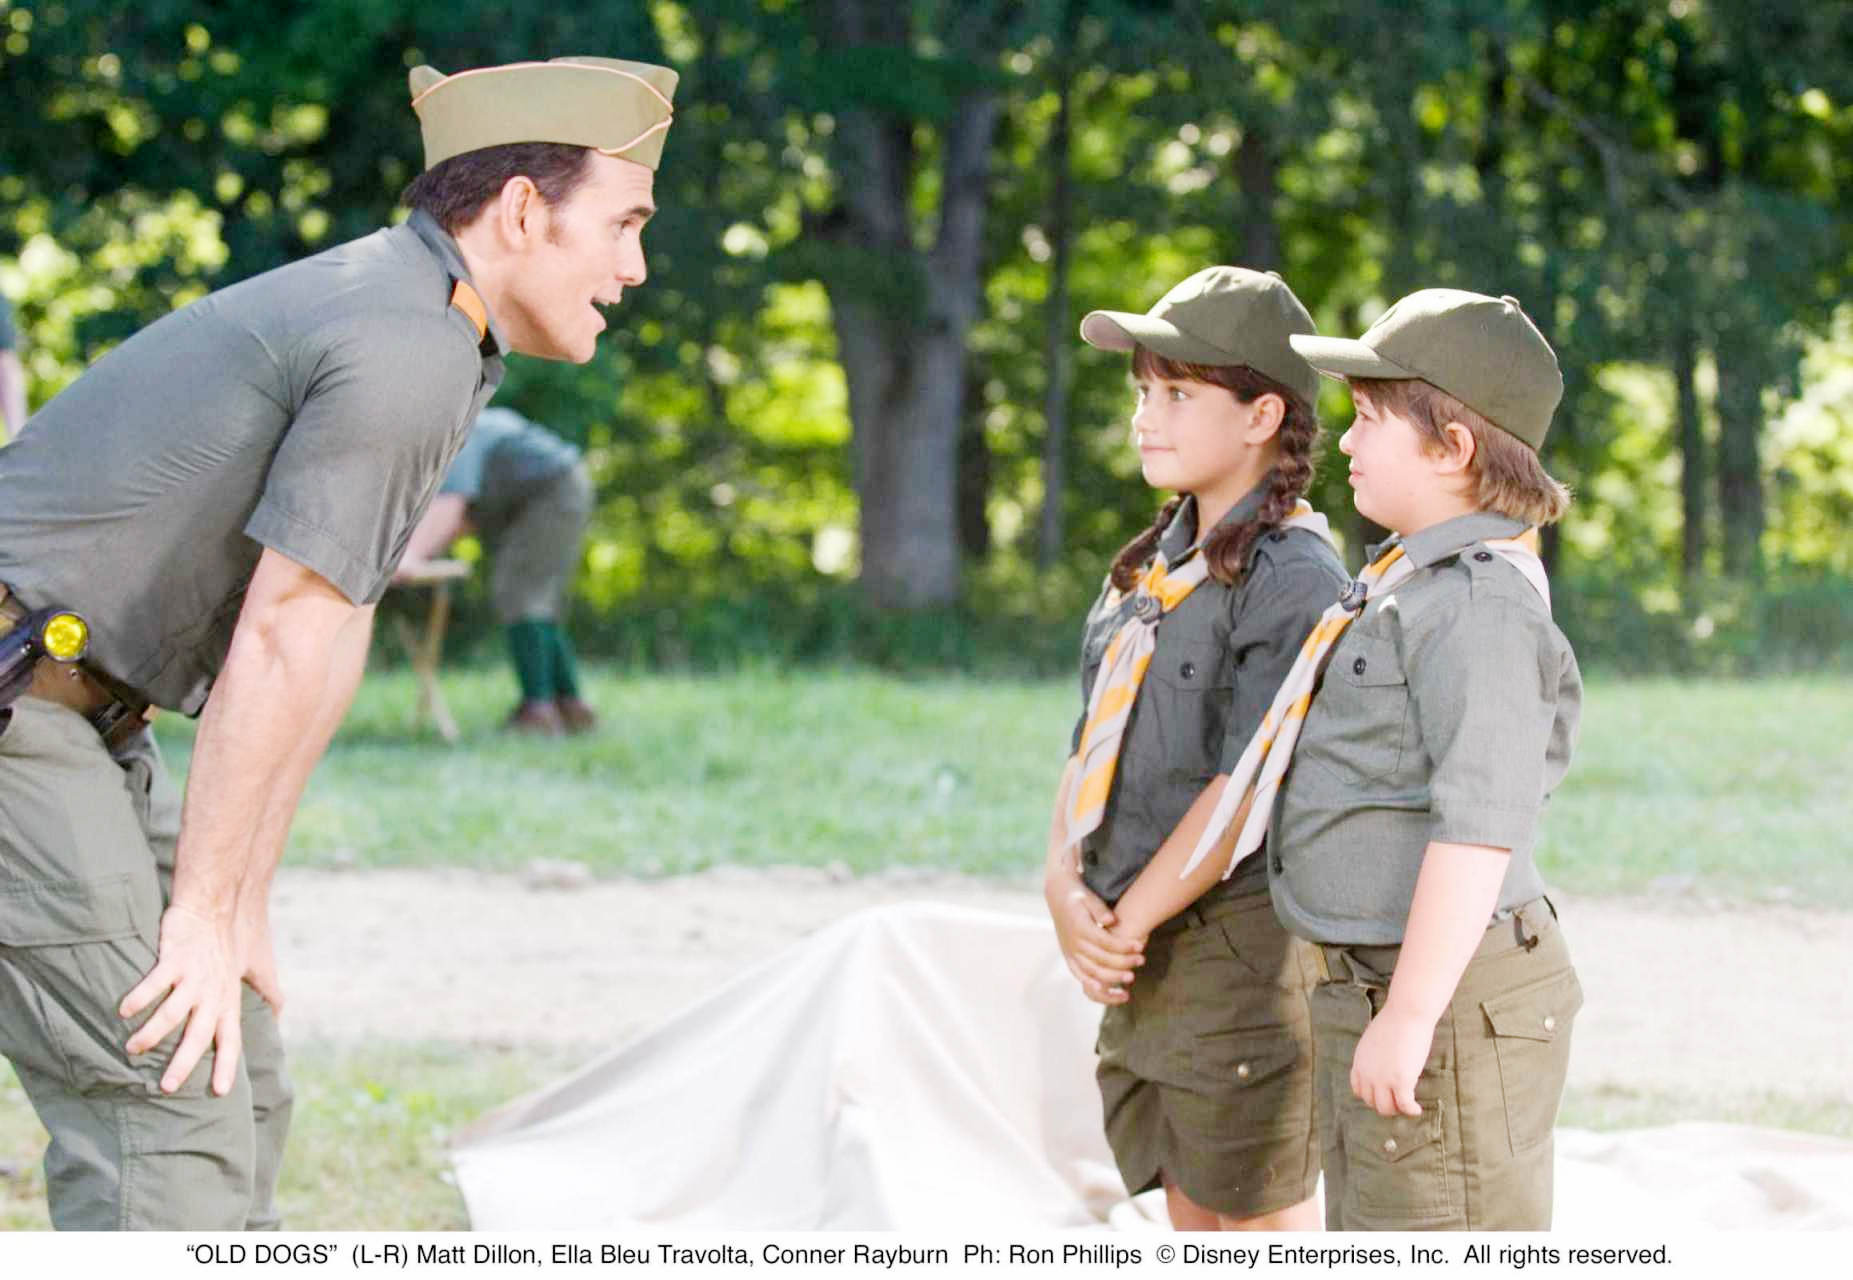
(1189, 688)
(1363, 711)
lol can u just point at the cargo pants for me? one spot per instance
(1480, 1156)
(86, 866)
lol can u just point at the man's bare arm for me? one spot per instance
(265, 724)
(445, 521)
(12, 395)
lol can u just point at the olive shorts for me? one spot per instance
(1206, 1073)
(1479, 1157)
(86, 864)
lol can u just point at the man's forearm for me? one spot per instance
(348, 661)
(257, 742)
(12, 394)
(1455, 894)
(1160, 892)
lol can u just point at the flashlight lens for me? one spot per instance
(66, 637)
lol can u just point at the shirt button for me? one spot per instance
(1389, 1146)
(1550, 1022)
(1357, 668)
(1241, 1071)
(1483, 556)
(1188, 670)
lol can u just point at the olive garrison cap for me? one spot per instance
(615, 108)
(1485, 352)
(1219, 316)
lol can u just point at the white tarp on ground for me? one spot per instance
(926, 1067)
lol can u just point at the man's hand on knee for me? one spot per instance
(196, 983)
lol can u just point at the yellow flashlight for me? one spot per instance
(65, 637)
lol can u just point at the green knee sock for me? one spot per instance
(531, 646)
(565, 664)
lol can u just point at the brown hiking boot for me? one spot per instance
(576, 714)
(541, 719)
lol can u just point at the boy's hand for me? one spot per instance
(1101, 961)
(1389, 1058)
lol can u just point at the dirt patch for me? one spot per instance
(1690, 999)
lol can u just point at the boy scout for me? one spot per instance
(528, 494)
(223, 497)
(1404, 834)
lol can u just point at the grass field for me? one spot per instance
(1736, 791)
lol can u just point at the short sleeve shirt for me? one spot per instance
(506, 461)
(1448, 711)
(9, 336)
(1218, 659)
(312, 410)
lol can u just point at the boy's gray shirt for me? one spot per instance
(1448, 711)
(312, 409)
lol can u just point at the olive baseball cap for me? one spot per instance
(1485, 352)
(1220, 315)
(613, 107)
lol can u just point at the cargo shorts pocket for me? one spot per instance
(1397, 1167)
(1531, 1036)
(69, 952)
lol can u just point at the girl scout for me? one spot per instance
(1205, 1044)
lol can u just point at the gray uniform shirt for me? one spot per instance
(1448, 711)
(506, 460)
(312, 409)
(1217, 661)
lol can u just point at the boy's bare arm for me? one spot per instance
(1100, 961)
(1455, 894)
(1159, 892)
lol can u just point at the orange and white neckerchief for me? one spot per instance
(1122, 670)
(1264, 761)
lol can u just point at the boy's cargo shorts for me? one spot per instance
(1206, 1073)
(1479, 1157)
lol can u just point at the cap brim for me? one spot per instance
(1123, 330)
(1346, 358)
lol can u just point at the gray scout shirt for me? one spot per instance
(1218, 659)
(1448, 711)
(311, 409)
(506, 461)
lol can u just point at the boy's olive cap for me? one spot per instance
(1485, 352)
(615, 108)
(1220, 315)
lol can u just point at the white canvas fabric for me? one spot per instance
(925, 1067)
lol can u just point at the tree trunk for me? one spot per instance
(1691, 454)
(1257, 178)
(904, 358)
(1740, 478)
(1059, 339)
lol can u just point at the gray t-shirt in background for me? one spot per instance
(312, 409)
(9, 335)
(506, 460)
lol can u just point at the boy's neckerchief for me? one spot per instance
(1122, 670)
(1264, 761)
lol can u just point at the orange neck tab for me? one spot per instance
(468, 301)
